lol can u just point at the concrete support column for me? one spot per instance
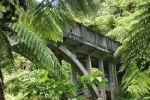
(101, 68)
(74, 78)
(113, 79)
(88, 64)
(88, 68)
(116, 78)
(74, 73)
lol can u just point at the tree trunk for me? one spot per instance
(1, 86)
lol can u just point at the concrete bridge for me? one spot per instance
(84, 49)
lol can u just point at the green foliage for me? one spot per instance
(96, 77)
(134, 51)
(66, 69)
(123, 96)
(104, 23)
(28, 82)
(137, 81)
(36, 84)
(124, 20)
(81, 8)
(6, 57)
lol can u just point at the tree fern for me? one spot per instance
(53, 16)
(135, 52)
(32, 47)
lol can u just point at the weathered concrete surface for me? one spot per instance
(89, 37)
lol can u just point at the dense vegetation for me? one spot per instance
(33, 24)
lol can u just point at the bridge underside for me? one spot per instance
(83, 57)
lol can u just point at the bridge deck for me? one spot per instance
(87, 36)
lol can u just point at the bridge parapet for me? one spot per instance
(87, 36)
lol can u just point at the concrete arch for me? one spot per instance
(69, 56)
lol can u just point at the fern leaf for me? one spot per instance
(32, 47)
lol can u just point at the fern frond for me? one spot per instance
(135, 52)
(53, 16)
(50, 21)
(79, 7)
(32, 47)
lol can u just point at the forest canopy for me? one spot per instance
(32, 71)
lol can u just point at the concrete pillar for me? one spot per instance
(116, 79)
(88, 68)
(74, 78)
(74, 73)
(88, 64)
(101, 68)
(113, 79)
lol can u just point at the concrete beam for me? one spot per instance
(87, 36)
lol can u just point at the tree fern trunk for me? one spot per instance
(1, 86)
(1, 75)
